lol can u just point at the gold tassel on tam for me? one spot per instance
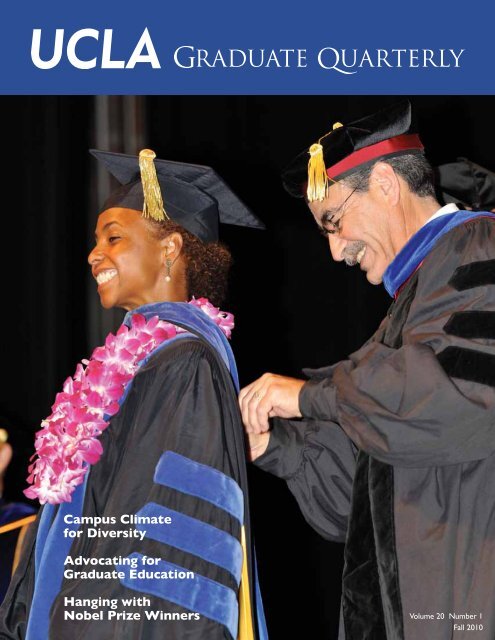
(317, 172)
(153, 202)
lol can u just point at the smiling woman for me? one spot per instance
(139, 256)
(149, 428)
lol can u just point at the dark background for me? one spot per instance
(293, 306)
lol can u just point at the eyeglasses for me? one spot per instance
(327, 225)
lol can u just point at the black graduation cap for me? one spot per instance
(194, 196)
(467, 183)
(345, 148)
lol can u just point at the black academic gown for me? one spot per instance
(396, 454)
(181, 401)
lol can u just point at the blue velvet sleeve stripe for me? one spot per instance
(201, 481)
(199, 594)
(195, 537)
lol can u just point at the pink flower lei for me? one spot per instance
(67, 443)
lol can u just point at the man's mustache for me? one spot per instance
(351, 252)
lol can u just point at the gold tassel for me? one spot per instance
(317, 172)
(246, 631)
(153, 202)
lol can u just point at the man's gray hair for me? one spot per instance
(413, 168)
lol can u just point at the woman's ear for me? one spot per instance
(172, 246)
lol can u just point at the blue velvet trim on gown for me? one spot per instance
(198, 594)
(194, 320)
(419, 246)
(52, 547)
(194, 536)
(199, 480)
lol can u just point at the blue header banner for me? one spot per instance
(255, 47)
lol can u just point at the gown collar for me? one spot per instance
(421, 243)
(191, 318)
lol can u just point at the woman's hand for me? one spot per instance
(258, 444)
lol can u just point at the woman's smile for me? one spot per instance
(127, 261)
(105, 275)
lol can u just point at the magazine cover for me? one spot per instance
(248, 322)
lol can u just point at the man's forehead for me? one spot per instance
(336, 194)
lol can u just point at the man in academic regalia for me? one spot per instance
(395, 451)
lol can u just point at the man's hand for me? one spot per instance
(269, 396)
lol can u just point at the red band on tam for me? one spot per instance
(405, 142)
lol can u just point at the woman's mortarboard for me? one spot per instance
(194, 196)
(467, 183)
(388, 133)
